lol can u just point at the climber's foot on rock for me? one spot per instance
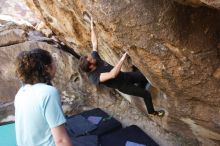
(159, 113)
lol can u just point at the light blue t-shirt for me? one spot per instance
(37, 110)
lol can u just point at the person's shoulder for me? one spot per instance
(95, 52)
(46, 92)
(45, 88)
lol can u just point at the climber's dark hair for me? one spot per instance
(32, 66)
(84, 64)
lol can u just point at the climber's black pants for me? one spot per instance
(134, 84)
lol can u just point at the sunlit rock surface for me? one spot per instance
(175, 46)
(17, 11)
(77, 93)
(14, 39)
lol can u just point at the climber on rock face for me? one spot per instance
(100, 72)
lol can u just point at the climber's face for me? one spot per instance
(92, 62)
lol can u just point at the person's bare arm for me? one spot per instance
(114, 72)
(93, 37)
(60, 136)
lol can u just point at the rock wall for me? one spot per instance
(197, 3)
(13, 39)
(17, 11)
(77, 93)
(175, 46)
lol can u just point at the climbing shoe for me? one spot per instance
(159, 113)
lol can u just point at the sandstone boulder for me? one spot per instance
(175, 46)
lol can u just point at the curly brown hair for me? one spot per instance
(32, 66)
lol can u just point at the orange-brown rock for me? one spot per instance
(175, 46)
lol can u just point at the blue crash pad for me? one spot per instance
(7, 134)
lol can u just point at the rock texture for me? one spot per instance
(77, 93)
(18, 38)
(175, 46)
(17, 11)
